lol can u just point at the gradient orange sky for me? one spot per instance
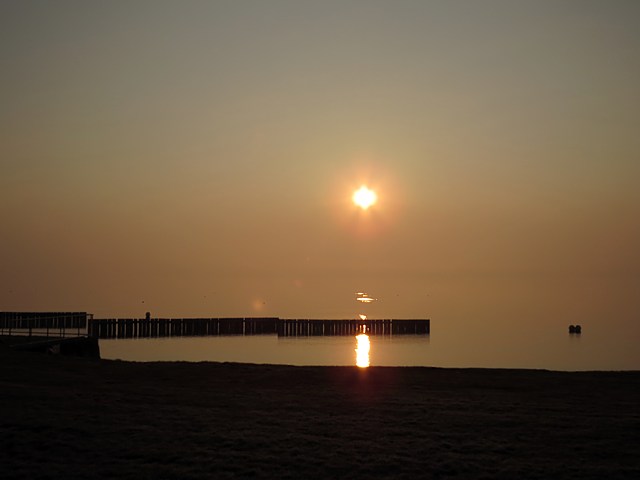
(198, 159)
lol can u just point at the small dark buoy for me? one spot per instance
(572, 329)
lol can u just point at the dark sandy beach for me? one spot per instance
(64, 417)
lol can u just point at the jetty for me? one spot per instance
(59, 324)
(63, 333)
(185, 327)
(76, 324)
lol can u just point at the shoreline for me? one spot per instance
(98, 419)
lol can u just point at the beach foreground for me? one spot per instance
(79, 418)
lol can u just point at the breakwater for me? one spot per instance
(183, 327)
(315, 327)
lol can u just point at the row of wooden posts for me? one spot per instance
(311, 327)
(180, 327)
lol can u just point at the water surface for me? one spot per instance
(552, 349)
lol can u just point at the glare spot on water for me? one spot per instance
(362, 350)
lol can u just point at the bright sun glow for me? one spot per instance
(364, 197)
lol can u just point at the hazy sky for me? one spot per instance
(200, 157)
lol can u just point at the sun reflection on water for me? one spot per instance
(362, 350)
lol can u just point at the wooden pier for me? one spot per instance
(314, 327)
(179, 327)
(186, 327)
(44, 323)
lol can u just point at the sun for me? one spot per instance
(364, 197)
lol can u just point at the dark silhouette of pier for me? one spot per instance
(63, 333)
(185, 327)
(315, 327)
(59, 324)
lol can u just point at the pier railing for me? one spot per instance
(58, 324)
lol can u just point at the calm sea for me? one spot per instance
(541, 348)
